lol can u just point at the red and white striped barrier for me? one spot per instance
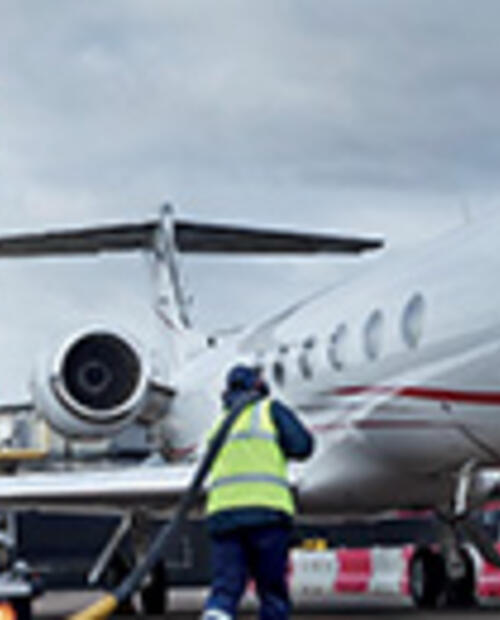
(488, 576)
(379, 570)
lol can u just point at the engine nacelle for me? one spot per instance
(96, 383)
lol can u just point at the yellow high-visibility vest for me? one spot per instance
(250, 470)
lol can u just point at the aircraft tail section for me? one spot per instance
(164, 238)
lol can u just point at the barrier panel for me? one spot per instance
(379, 570)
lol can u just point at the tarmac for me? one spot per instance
(186, 605)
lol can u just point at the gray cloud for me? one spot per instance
(389, 94)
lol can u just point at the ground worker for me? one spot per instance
(250, 506)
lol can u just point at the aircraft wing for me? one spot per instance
(153, 486)
(196, 237)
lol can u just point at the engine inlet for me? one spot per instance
(101, 371)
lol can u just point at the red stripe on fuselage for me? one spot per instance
(382, 425)
(421, 393)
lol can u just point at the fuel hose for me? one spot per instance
(110, 601)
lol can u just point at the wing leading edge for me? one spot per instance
(193, 237)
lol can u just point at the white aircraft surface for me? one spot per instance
(397, 373)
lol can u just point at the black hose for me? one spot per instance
(166, 534)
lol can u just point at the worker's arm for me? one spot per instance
(294, 438)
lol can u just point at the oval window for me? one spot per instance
(337, 347)
(279, 373)
(305, 365)
(373, 334)
(304, 359)
(412, 323)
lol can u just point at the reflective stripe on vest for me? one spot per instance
(252, 435)
(249, 478)
(250, 470)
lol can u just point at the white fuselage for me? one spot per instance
(396, 372)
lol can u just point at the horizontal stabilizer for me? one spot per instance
(189, 237)
(80, 241)
(192, 237)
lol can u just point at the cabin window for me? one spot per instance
(412, 322)
(337, 347)
(305, 365)
(373, 334)
(309, 343)
(279, 373)
(304, 359)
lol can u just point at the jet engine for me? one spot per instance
(96, 383)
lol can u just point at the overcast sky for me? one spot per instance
(343, 115)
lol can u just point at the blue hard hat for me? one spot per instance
(242, 378)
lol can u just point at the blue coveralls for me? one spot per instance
(253, 542)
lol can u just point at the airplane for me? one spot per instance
(396, 372)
